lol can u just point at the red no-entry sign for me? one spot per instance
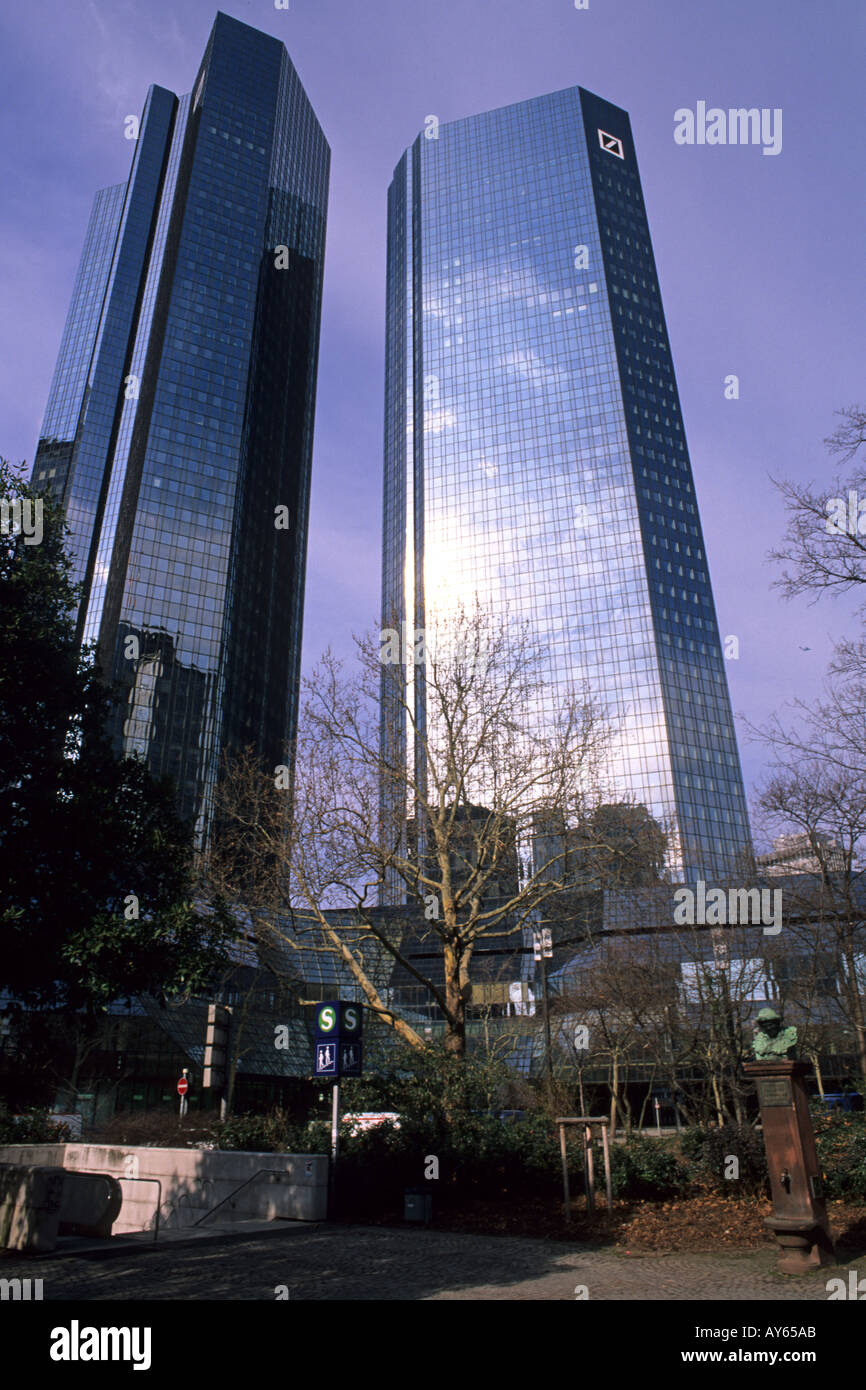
(182, 1086)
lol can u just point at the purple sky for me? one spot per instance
(760, 258)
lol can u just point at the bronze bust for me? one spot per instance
(772, 1040)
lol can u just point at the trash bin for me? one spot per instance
(418, 1205)
(845, 1100)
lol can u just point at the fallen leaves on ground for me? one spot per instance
(704, 1221)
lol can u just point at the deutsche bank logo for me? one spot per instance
(611, 143)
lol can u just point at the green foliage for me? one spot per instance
(376, 1166)
(478, 1156)
(489, 1157)
(691, 1143)
(481, 1157)
(430, 1086)
(273, 1133)
(841, 1144)
(840, 1141)
(81, 831)
(33, 1127)
(644, 1169)
(41, 686)
(708, 1151)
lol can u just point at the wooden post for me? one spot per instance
(586, 1122)
(590, 1173)
(564, 1171)
(607, 1182)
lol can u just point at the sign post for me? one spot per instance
(338, 1052)
(542, 948)
(335, 1125)
(182, 1088)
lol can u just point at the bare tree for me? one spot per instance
(812, 791)
(804, 969)
(816, 789)
(724, 974)
(434, 804)
(825, 546)
(620, 996)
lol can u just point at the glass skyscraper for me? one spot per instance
(178, 432)
(535, 455)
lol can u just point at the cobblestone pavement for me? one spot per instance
(374, 1263)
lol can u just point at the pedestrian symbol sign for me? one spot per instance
(350, 1059)
(326, 1059)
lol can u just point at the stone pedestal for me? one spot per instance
(799, 1219)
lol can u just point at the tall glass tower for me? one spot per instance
(535, 455)
(179, 427)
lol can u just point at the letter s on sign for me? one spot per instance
(351, 1019)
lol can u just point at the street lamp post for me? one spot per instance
(542, 948)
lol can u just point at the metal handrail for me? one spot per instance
(258, 1173)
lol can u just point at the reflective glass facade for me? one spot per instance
(534, 449)
(181, 413)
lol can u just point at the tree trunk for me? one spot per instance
(614, 1089)
(813, 1057)
(86, 1040)
(455, 1005)
(236, 1033)
(720, 1114)
(625, 1106)
(641, 1116)
(230, 1087)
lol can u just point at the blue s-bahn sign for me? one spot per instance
(338, 1029)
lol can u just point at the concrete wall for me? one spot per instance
(193, 1181)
